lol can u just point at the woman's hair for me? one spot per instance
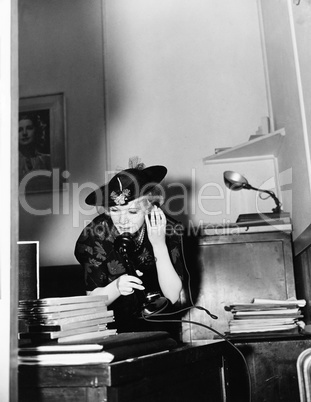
(28, 116)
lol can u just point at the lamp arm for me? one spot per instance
(278, 208)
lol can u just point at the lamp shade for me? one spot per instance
(234, 181)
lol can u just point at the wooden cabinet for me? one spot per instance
(238, 268)
(227, 269)
(302, 264)
(272, 366)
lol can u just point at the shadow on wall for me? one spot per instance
(178, 203)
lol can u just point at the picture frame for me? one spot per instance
(42, 143)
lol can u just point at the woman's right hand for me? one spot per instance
(126, 284)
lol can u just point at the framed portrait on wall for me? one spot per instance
(41, 143)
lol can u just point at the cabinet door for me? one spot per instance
(272, 367)
(236, 269)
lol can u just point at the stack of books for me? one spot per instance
(264, 316)
(251, 223)
(261, 218)
(76, 319)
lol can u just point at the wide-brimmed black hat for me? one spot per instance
(126, 186)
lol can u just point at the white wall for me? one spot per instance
(287, 33)
(301, 19)
(182, 78)
(302, 31)
(61, 50)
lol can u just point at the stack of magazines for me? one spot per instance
(112, 348)
(76, 319)
(60, 355)
(266, 316)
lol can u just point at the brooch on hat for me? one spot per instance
(122, 197)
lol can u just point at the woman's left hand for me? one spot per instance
(156, 226)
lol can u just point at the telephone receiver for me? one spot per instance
(150, 303)
(125, 245)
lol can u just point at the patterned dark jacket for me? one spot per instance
(103, 264)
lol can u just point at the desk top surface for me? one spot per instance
(116, 372)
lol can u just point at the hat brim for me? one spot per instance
(142, 180)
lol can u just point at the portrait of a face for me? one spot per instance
(33, 142)
(41, 145)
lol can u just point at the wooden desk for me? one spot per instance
(189, 373)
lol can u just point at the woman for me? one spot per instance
(30, 158)
(131, 200)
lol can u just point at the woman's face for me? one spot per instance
(26, 132)
(129, 218)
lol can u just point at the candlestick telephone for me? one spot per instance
(150, 303)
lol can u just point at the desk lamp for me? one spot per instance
(234, 181)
